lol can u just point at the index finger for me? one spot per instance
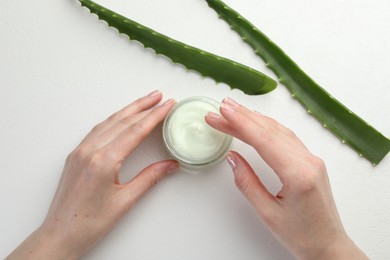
(130, 138)
(276, 144)
(138, 106)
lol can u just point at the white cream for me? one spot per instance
(191, 136)
(188, 137)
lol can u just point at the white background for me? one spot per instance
(62, 71)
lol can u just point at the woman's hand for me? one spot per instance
(303, 215)
(90, 200)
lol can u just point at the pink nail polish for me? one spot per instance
(168, 102)
(227, 107)
(231, 159)
(213, 116)
(231, 102)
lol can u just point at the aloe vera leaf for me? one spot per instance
(351, 129)
(235, 75)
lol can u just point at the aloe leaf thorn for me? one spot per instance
(234, 74)
(333, 115)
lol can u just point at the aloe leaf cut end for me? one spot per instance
(350, 128)
(236, 75)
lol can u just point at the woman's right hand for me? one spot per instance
(90, 198)
(303, 215)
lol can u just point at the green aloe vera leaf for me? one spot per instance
(235, 75)
(351, 129)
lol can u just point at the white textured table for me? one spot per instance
(62, 71)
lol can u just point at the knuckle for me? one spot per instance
(129, 120)
(313, 174)
(96, 128)
(266, 138)
(278, 129)
(80, 153)
(308, 185)
(96, 161)
(137, 128)
(318, 163)
(243, 183)
(271, 132)
(152, 180)
(93, 162)
(272, 122)
(289, 133)
(114, 117)
(139, 103)
(69, 158)
(149, 179)
(272, 125)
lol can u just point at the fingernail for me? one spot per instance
(173, 167)
(213, 116)
(231, 159)
(154, 93)
(231, 102)
(168, 102)
(227, 107)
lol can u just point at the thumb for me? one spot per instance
(148, 177)
(249, 184)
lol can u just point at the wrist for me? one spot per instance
(42, 244)
(342, 248)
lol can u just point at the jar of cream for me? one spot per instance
(189, 139)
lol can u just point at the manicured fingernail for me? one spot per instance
(213, 116)
(227, 107)
(174, 167)
(231, 102)
(154, 93)
(168, 102)
(231, 159)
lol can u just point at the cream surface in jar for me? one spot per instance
(189, 139)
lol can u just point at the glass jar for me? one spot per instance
(189, 139)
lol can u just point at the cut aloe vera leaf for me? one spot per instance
(232, 73)
(350, 128)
